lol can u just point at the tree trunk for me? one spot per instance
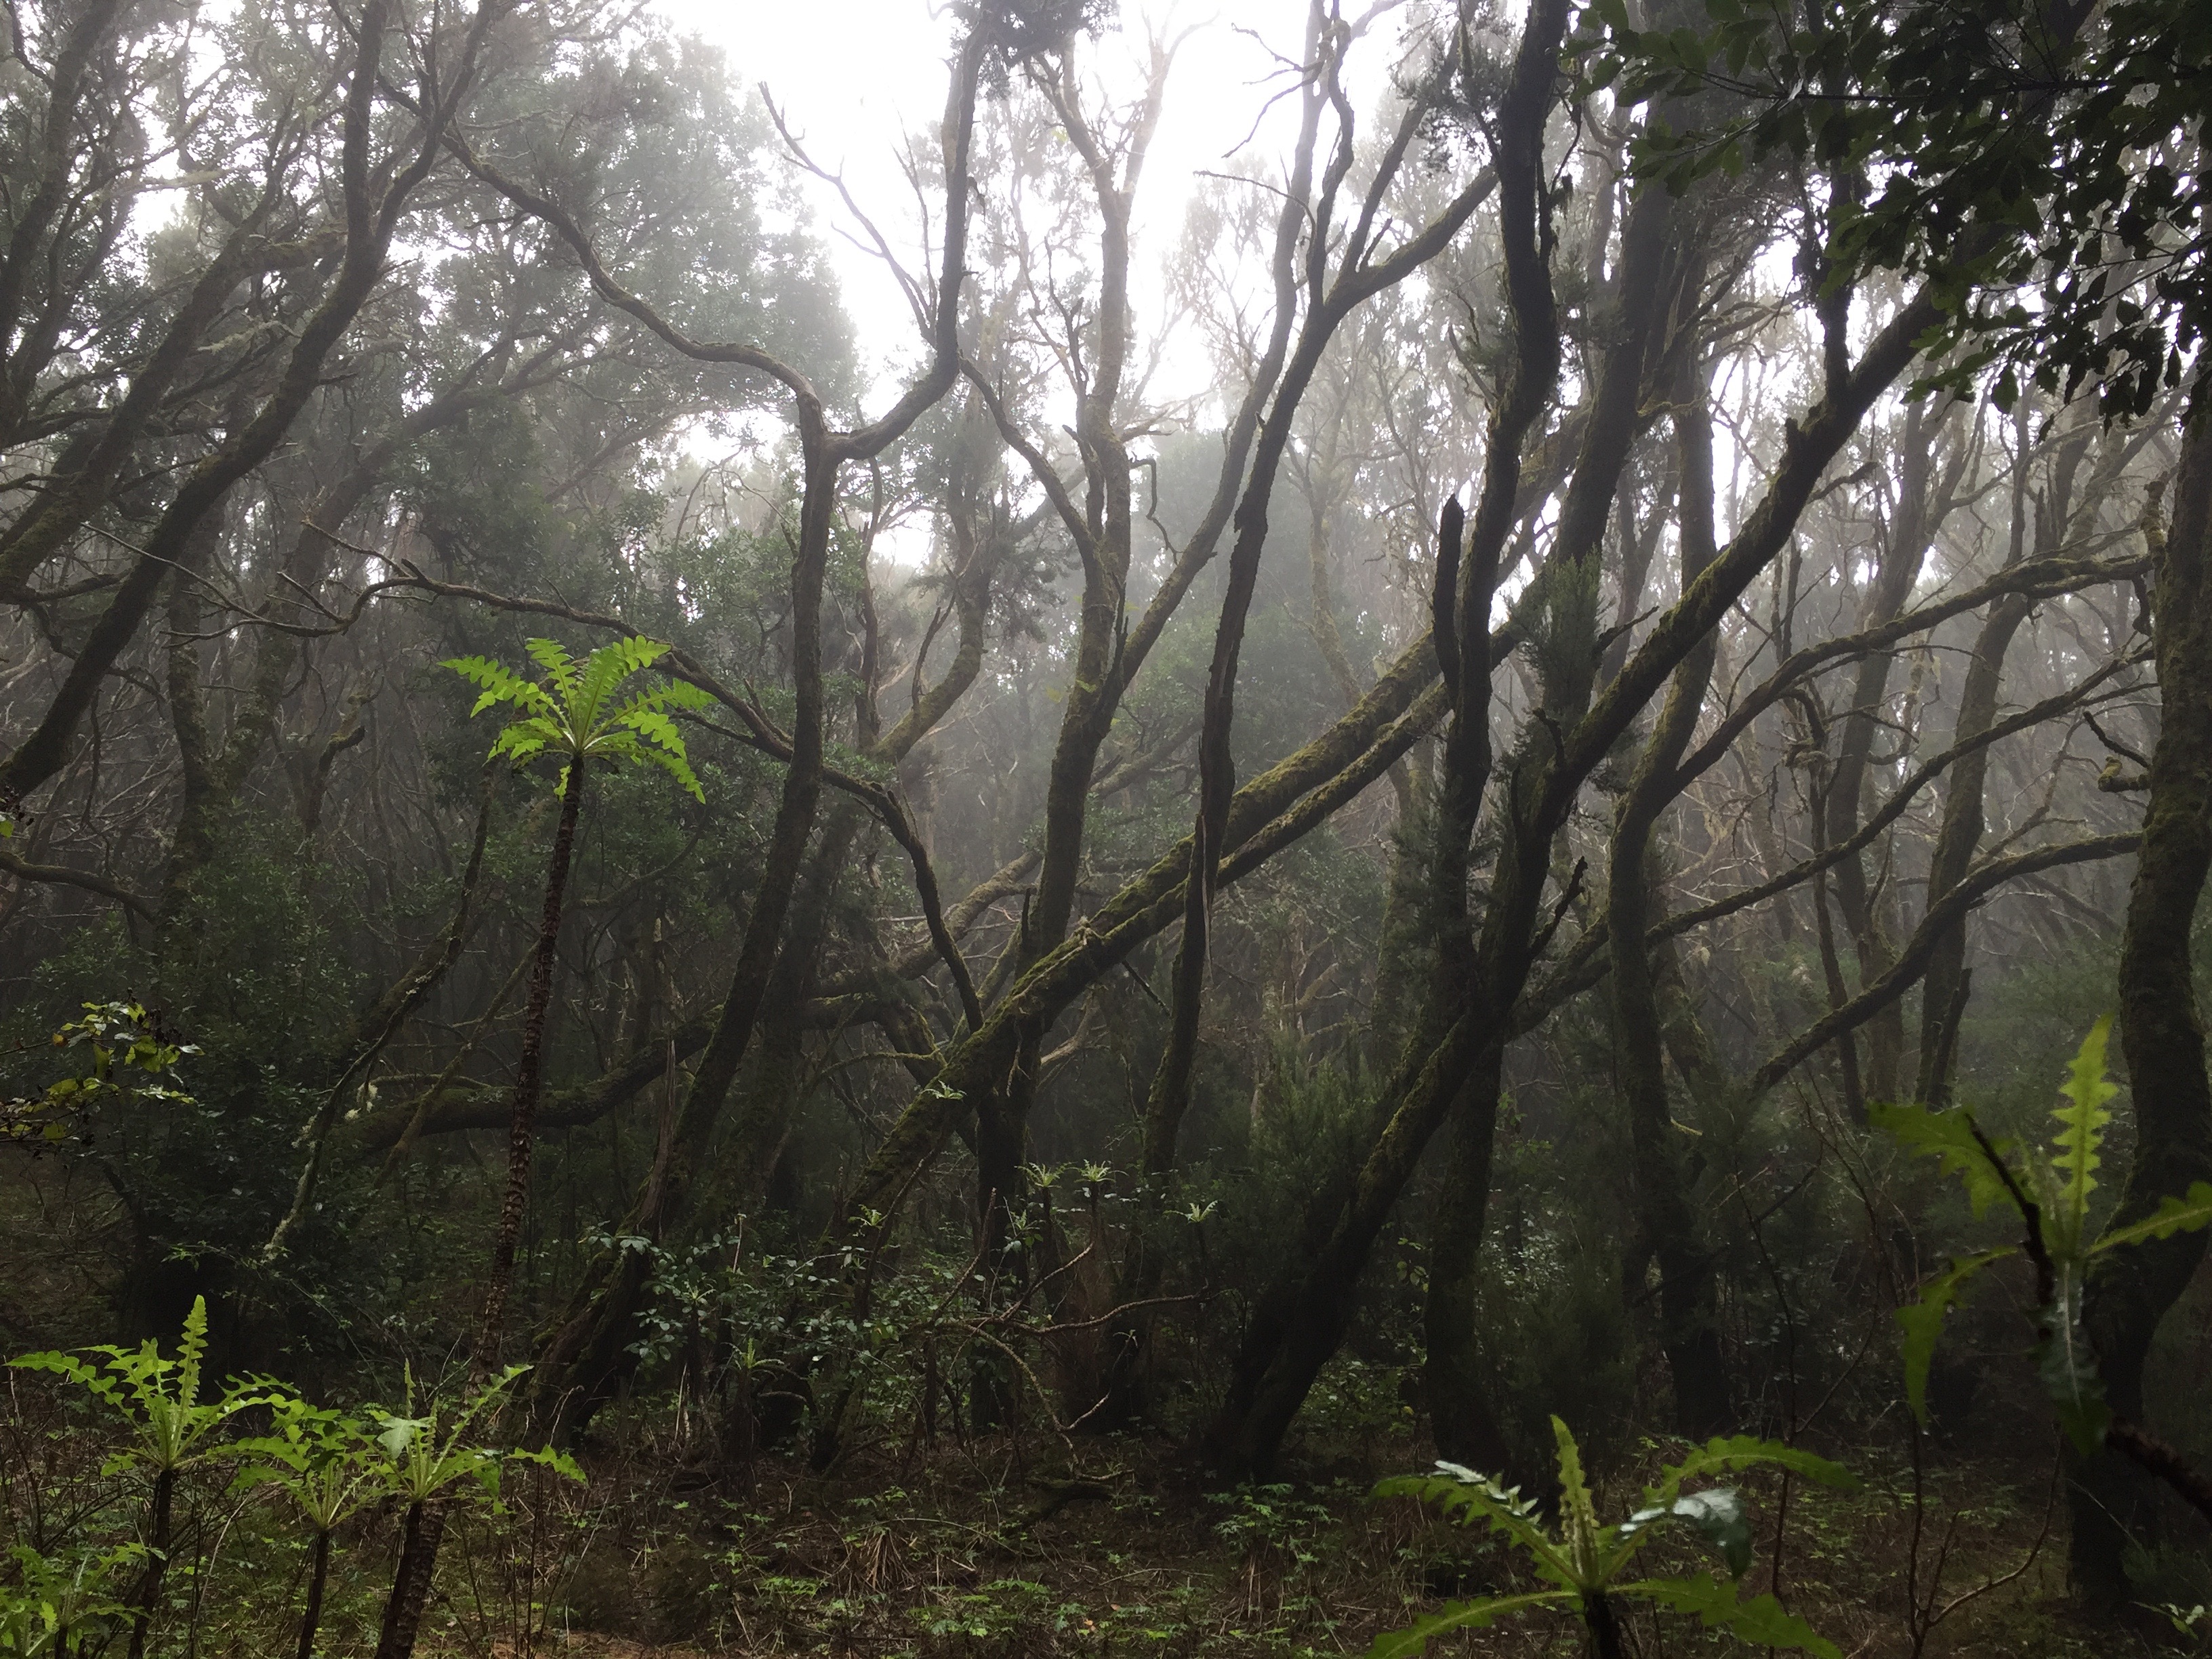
(157, 1561)
(410, 1580)
(1484, 980)
(587, 1352)
(311, 1617)
(522, 1127)
(1688, 1332)
(2160, 1031)
(1924, 500)
(1461, 1415)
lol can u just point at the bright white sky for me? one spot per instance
(856, 77)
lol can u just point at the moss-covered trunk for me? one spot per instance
(2161, 1031)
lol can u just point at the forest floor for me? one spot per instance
(998, 1550)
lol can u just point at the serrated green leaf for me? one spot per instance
(2082, 1123)
(1415, 1637)
(1922, 1323)
(1733, 1453)
(1579, 1522)
(1948, 1137)
(2189, 1214)
(1463, 1494)
(1762, 1621)
(560, 667)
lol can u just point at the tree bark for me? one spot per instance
(419, 1537)
(522, 1111)
(2161, 1032)
(1689, 1333)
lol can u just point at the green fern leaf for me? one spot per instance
(1470, 1496)
(191, 1350)
(1733, 1453)
(560, 667)
(1949, 1138)
(1581, 1532)
(608, 668)
(1459, 1615)
(2190, 1214)
(2082, 1123)
(1922, 1323)
(499, 685)
(1762, 1621)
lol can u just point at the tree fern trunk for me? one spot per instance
(317, 1575)
(410, 1582)
(523, 1120)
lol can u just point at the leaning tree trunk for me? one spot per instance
(2160, 1029)
(522, 1123)
(1922, 502)
(1688, 1332)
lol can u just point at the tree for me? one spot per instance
(2040, 170)
(579, 717)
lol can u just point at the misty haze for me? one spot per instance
(1081, 827)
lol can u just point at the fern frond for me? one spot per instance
(1949, 1138)
(1733, 1453)
(2082, 1123)
(192, 1349)
(1582, 1531)
(2188, 1214)
(608, 668)
(1470, 1496)
(1922, 1322)
(560, 667)
(500, 684)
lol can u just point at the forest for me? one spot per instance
(1431, 888)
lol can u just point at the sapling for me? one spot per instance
(171, 1429)
(428, 1462)
(1586, 1562)
(2052, 1195)
(326, 1464)
(573, 717)
(56, 1600)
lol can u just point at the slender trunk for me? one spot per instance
(1603, 1624)
(768, 1100)
(1688, 1332)
(410, 1580)
(589, 1351)
(1942, 1000)
(311, 1617)
(523, 1106)
(1923, 502)
(201, 796)
(2161, 1031)
(157, 1561)
(1958, 838)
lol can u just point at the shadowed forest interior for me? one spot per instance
(697, 957)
